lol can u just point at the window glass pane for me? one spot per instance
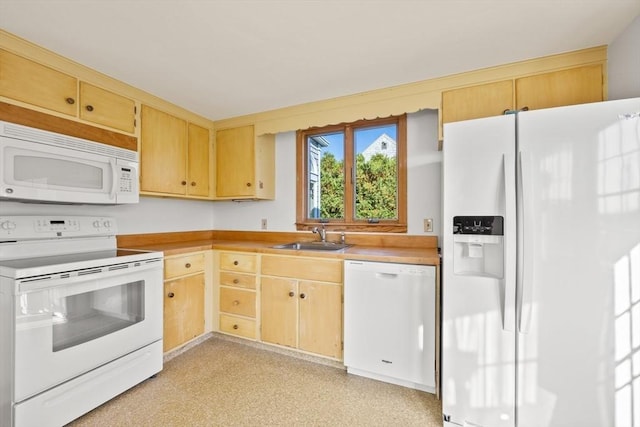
(376, 186)
(326, 176)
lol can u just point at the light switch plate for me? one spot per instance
(263, 223)
(428, 225)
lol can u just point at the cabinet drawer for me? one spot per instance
(179, 266)
(303, 268)
(238, 280)
(238, 262)
(237, 326)
(238, 301)
(106, 108)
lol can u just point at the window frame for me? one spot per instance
(350, 223)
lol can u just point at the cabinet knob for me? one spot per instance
(248, 184)
(187, 265)
(291, 293)
(236, 281)
(235, 262)
(70, 101)
(235, 326)
(525, 108)
(236, 302)
(89, 107)
(303, 296)
(171, 294)
(193, 183)
(183, 182)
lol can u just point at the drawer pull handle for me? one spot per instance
(193, 183)
(89, 108)
(236, 302)
(236, 281)
(187, 265)
(70, 101)
(171, 294)
(235, 262)
(291, 293)
(303, 296)
(183, 182)
(235, 326)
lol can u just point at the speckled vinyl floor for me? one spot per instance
(224, 383)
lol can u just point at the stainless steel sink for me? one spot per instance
(313, 246)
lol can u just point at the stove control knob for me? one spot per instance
(7, 225)
(106, 224)
(96, 224)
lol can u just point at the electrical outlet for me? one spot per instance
(263, 223)
(428, 225)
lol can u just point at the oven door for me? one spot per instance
(79, 323)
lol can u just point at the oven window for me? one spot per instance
(84, 317)
(63, 173)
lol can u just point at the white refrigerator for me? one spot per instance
(541, 268)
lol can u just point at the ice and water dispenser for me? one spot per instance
(478, 243)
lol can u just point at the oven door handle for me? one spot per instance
(97, 280)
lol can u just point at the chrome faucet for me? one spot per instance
(322, 232)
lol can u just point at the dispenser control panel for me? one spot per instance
(484, 225)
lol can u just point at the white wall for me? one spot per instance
(423, 186)
(151, 215)
(624, 63)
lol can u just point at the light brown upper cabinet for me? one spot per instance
(579, 85)
(35, 84)
(32, 83)
(475, 102)
(245, 164)
(107, 108)
(174, 155)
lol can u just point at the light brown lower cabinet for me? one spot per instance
(237, 293)
(184, 299)
(304, 310)
(303, 314)
(183, 310)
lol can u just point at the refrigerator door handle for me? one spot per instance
(525, 274)
(509, 280)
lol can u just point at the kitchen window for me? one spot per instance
(353, 176)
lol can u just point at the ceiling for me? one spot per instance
(226, 58)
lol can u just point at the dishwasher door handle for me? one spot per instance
(386, 275)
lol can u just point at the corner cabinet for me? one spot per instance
(174, 156)
(571, 86)
(245, 164)
(301, 304)
(35, 84)
(184, 299)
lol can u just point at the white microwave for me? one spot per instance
(43, 166)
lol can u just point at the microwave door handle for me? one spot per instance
(114, 178)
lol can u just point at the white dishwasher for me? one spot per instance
(390, 322)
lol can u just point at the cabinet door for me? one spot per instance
(279, 308)
(30, 82)
(567, 87)
(106, 108)
(183, 310)
(198, 161)
(235, 162)
(478, 101)
(162, 152)
(320, 319)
